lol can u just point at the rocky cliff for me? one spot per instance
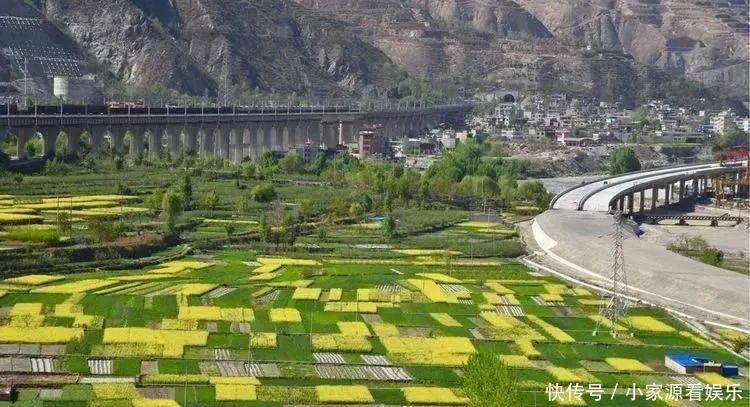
(610, 48)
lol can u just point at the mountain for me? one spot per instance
(615, 49)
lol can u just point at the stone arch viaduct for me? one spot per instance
(228, 135)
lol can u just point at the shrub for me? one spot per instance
(263, 192)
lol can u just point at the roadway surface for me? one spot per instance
(589, 192)
(581, 242)
(578, 243)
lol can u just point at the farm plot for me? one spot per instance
(324, 331)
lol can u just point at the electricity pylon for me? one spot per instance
(616, 309)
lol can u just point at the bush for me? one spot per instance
(712, 256)
(264, 192)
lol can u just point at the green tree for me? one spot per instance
(186, 190)
(488, 382)
(622, 160)
(732, 137)
(170, 209)
(389, 227)
(292, 163)
(263, 192)
(103, 231)
(249, 170)
(209, 200)
(305, 209)
(264, 230)
(155, 200)
(230, 228)
(534, 192)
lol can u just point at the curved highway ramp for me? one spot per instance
(576, 236)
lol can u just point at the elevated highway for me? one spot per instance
(574, 236)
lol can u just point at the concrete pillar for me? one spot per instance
(736, 187)
(118, 139)
(23, 135)
(347, 133)
(683, 194)
(98, 138)
(137, 135)
(221, 137)
(299, 134)
(642, 201)
(190, 135)
(174, 137)
(667, 194)
(283, 136)
(265, 138)
(654, 198)
(357, 126)
(695, 188)
(250, 141)
(74, 140)
(621, 203)
(207, 144)
(631, 197)
(155, 136)
(49, 140)
(330, 134)
(234, 148)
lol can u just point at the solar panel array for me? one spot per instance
(26, 42)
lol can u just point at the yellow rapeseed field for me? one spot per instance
(44, 334)
(115, 391)
(445, 351)
(341, 342)
(627, 365)
(356, 328)
(518, 361)
(715, 379)
(647, 323)
(344, 394)
(75, 286)
(285, 315)
(263, 340)
(286, 261)
(432, 395)
(551, 330)
(213, 313)
(439, 277)
(445, 319)
(432, 291)
(361, 307)
(266, 268)
(499, 288)
(33, 279)
(335, 294)
(306, 294)
(26, 308)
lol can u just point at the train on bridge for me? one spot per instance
(139, 109)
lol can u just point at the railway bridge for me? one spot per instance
(230, 133)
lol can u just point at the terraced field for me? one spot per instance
(392, 326)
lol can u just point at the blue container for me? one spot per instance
(730, 371)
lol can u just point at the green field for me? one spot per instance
(207, 330)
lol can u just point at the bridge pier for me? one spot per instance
(155, 141)
(221, 135)
(191, 134)
(695, 188)
(74, 140)
(667, 194)
(682, 193)
(631, 197)
(137, 135)
(249, 140)
(654, 198)
(174, 137)
(642, 201)
(49, 141)
(206, 147)
(265, 139)
(330, 134)
(98, 138)
(118, 139)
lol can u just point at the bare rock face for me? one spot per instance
(119, 36)
(620, 48)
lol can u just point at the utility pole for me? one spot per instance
(615, 310)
